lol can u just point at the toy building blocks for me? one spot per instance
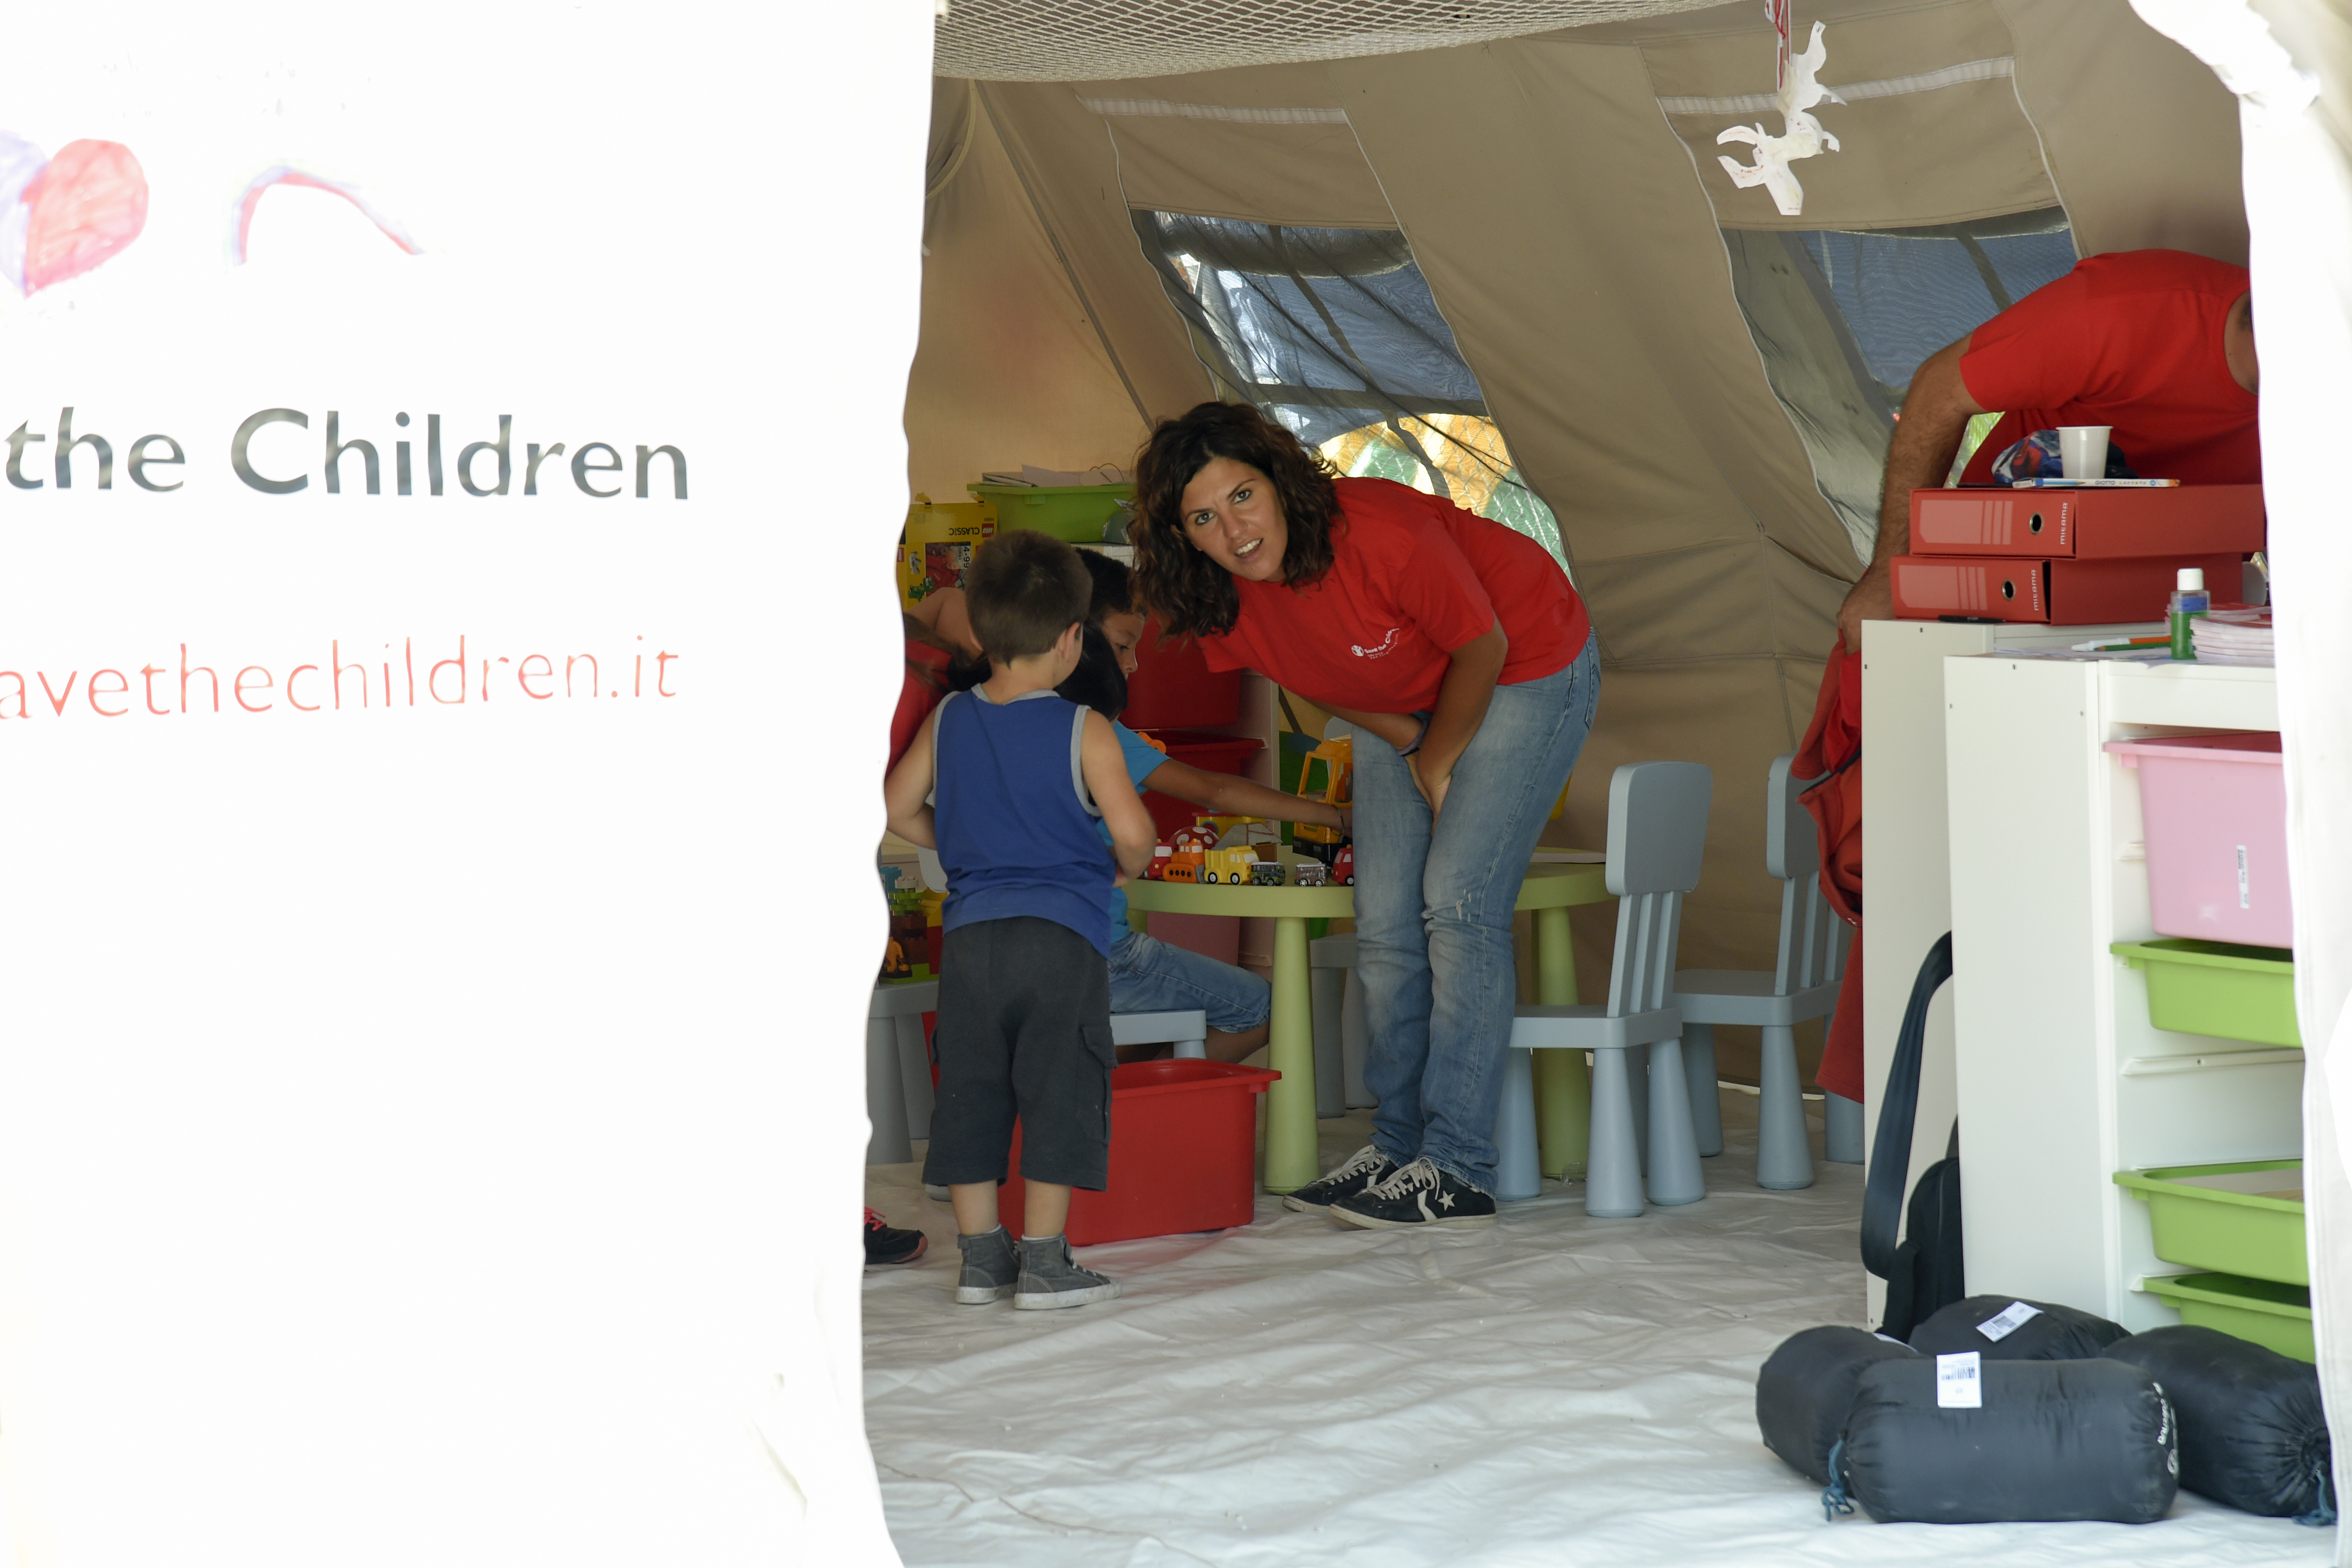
(1197, 838)
(1337, 758)
(1186, 846)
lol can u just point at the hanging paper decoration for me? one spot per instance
(1801, 135)
(61, 217)
(249, 199)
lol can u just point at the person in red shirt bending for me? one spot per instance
(1465, 663)
(2157, 343)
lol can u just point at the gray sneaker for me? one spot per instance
(1050, 1277)
(991, 1269)
(1359, 1171)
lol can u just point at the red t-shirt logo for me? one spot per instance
(1387, 644)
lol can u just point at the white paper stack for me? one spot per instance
(2233, 636)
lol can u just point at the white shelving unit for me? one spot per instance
(2060, 1078)
(1908, 895)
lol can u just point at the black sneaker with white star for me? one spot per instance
(1415, 1196)
(1359, 1171)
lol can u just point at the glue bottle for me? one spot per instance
(2191, 602)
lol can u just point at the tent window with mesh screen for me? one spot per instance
(1905, 292)
(1334, 333)
(1843, 318)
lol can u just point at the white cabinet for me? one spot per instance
(1906, 852)
(2060, 1080)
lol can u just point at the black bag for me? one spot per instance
(1806, 1388)
(1927, 1271)
(2252, 1433)
(2054, 1440)
(2051, 1334)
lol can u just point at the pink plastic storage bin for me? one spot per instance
(2214, 809)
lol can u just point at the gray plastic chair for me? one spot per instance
(1343, 1036)
(1657, 834)
(1804, 984)
(1188, 1029)
(898, 1070)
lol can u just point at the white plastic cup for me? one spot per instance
(2082, 450)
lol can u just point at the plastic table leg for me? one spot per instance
(1563, 1088)
(1290, 1159)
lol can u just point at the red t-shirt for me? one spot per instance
(917, 697)
(2131, 340)
(1412, 579)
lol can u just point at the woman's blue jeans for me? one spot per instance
(1434, 916)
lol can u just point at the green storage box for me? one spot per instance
(2272, 1315)
(1074, 513)
(2229, 1218)
(2217, 988)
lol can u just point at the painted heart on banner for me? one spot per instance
(90, 202)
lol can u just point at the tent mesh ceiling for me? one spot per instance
(1097, 40)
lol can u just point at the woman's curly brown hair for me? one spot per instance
(1188, 590)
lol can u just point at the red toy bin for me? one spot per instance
(1173, 686)
(1210, 753)
(1184, 1154)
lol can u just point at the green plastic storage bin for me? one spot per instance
(2276, 1316)
(1074, 513)
(2217, 988)
(2222, 1217)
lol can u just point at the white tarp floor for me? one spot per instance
(1554, 1390)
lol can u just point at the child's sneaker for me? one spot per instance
(991, 1268)
(1050, 1277)
(1417, 1196)
(1360, 1169)
(886, 1244)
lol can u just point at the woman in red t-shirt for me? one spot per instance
(1464, 661)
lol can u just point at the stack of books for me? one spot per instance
(2234, 637)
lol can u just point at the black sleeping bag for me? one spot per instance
(2050, 1333)
(2252, 1433)
(2054, 1440)
(1807, 1386)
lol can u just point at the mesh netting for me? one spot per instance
(1100, 40)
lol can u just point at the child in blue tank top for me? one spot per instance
(1017, 777)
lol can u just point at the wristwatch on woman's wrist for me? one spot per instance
(1418, 735)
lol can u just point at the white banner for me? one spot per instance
(452, 459)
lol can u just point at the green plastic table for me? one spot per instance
(1563, 1092)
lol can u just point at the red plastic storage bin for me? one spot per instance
(1210, 753)
(2213, 809)
(1173, 687)
(1184, 1154)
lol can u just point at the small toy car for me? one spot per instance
(1228, 866)
(1158, 870)
(1308, 874)
(1266, 874)
(1343, 866)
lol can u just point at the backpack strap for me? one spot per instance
(1890, 1153)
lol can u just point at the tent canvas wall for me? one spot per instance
(1589, 276)
(1560, 195)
